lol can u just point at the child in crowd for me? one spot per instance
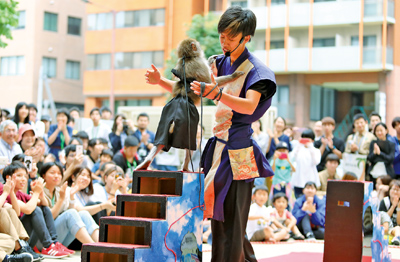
(284, 217)
(259, 225)
(309, 210)
(283, 168)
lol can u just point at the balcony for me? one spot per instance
(373, 11)
(327, 59)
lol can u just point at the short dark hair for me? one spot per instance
(68, 149)
(32, 105)
(102, 140)
(65, 112)
(46, 166)
(82, 135)
(358, 116)
(131, 141)
(105, 108)
(395, 121)
(93, 142)
(107, 152)
(103, 166)
(375, 114)
(95, 109)
(328, 120)
(237, 20)
(310, 183)
(279, 195)
(74, 109)
(308, 133)
(143, 114)
(11, 168)
(260, 187)
(73, 138)
(19, 158)
(332, 157)
(380, 124)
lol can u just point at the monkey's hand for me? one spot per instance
(153, 76)
(195, 86)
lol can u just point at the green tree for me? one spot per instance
(8, 19)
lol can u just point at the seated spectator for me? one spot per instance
(73, 160)
(21, 115)
(381, 154)
(382, 186)
(94, 150)
(105, 156)
(26, 137)
(59, 134)
(390, 204)
(102, 170)
(349, 176)
(359, 141)
(332, 162)
(328, 144)
(85, 140)
(8, 147)
(396, 140)
(69, 223)
(32, 175)
(98, 129)
(258, 226)
(81, 191)
(309, 210)
(76, 141)
(114, 184)
(307, 158)
(120, 130)
(284, 217)
(276, 136)
(49, 158)
(35, 214)
(283, 168)
(40, 149)
(127, 158)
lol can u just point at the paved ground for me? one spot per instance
(262, 250)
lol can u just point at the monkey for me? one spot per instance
(175, 125)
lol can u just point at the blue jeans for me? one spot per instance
(69, 222)
(40, 226)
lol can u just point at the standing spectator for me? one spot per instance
(59, 134)
(8, 146)
(390, 205)
(307, 158)
(328, 143)
(396, 140)
(276, 136)
(359, 141)
(37, 125)
(74, 113)
(318, 130)
(381, 154)
(21, 115)
(283, 168)
(145, 136)
(120, 130)
(105, 113)
(97, 130)
(127, 157)
(332, 162)
(309, 210)
(374, 118)
(259, 136)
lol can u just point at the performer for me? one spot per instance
(231, 159)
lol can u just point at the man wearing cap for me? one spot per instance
(8, 147)
(328, 143)
(127, 157)
(360, 141)
(332, 162)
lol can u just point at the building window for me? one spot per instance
(49, 67)
(99, 62)
(12, 66)
(138, 102)
(50, 22)
(74, 26)
(322, 103)
(242, 4)
(148, 17)
(370, 52)
(100, 21)
(368, 40)
(316, 1)
(73, 70)
(139, 60)
(278, 2)
(324, 42)
(281, 101)
(279, 44)
(21, 20)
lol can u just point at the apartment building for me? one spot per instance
(50, 34)
(144, 33)
(331, 58)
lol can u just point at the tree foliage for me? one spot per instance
(8, 19)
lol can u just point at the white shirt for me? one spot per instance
(255, 225)
(100, 194)
(101, 130)
(262, 140)
(307, 159)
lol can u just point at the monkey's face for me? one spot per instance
(189, 48)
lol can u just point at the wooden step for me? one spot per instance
(157, 182)
(104, 252)
(126, 230)
(140, 205)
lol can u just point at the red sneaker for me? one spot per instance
(64, 248)
(36, 250)
(53, 252)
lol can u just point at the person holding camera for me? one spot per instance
(121, 129)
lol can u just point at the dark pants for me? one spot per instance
(298, 192)
(305, 227)
(40, 226)
(98, 215)
(230, 242)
